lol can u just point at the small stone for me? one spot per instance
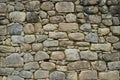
(32, 17)
(95, 19)
(89, 2)
(72, 54)
(85, 27)
(50, 43)
(64, 7)
(88, 55)
(57, 55)
(14, 60)
(15, 29)
(29, 38)
(6, 71)
(76, 36)
(7, 49)
(41, 38)
(112, 39)
(19, 6)
(25, 47)
(82, 44)
(32, 6)
(91, 10)
(39, 74)
(116, 21)
(57, 75)
(116, 45)
(72, 75)
(102, 2)
(79, 8)
(70, 17)
(41, 56)
(31, 66)
(114, 65)
(43, 14)
(48, 65)
(56, 19)
(99, 65)
(26, 74)
(50, 27)
(110, 75)
(102, 47)
(3, 7)
(49, 5)
(28, 57)
(66, 43)
(57, 35)
(68, 27)
(28, 28)
(17, 16)
(115, 30)
(88, 75)
(51, 13)
(4, 21)
(37, 46)
(107, 22)
(3, 30)
(14, 78)
(61, 68)
(17, 39)
(103, 31)
(38, 27)
(104, 9)
(91, 37)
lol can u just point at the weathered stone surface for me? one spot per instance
(50, 27)
(43, 14)
(107, 22)
(57, 75)
(14, 60)
(82, 44)
(37, 27)
(26, 74)
(3, 7)
(57, 55)
(29, 38)
(92, 37)
(95, 19)
(116, 45)
(114, 65)
(19, 6)
(3, 30)
(115, 30)
(28, 57)
(102, 47)
(17, 16)
(112, 39)
(64, 7)
(56, 19)
(115, 9)
(25, 47)
(7, 49)
(76, 36)
(66, 43)
(111, 56)
(91, 10)
(85, 27)
(31, 66)
(116, 20)
(17, 39)
(72, 75)
(41, 38)
(48, 65)
(57, 35)
(28, 28)
(70, 17)
(110, 75)
(89, 2)
(72, 54)
(37, 46)
(88, 55)
(68, 26)
(103, 31)
(14, 78)
(50, 43)
(39, 74)
(47, 6)
(6, 71)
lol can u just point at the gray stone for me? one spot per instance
(112, 39)
(115, 9)
(48, 65)
(66, 43)
(25, 74)
(49, 5)
(17, 39)
(50, 43)
(116, 21)
(39, 74)
(41, 38)
(95, 19)
(104, 9)
(91, 10)
(89, 2)
(57, 75)
(85, 27)
(28, 57)
(76, 36)
(14, 60)
(82, 44)
(29, 38)
(43, 14)
(91, 37)
(3, 30)
(3, 7)
(72, 75)
(111, 56)
(114, 65)
(64, 7)
(107, 22)
(70, 17)
(28, 28)
(88, 55)
(116, 45)
(103, 31)
(17, 16)
(15, 29)
(50, 27)
(57, 35)
(19, 6)
(57, 55)
(7, 49)
(56, 19)
(115, 30)
(6, 71)
(4, 21)
(37, 46)
(31, 66)
(102, 2)
(72, 54)
(14, 78)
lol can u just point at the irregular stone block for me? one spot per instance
(114, 65)
(14, 78)
(50, 43)
(47, 6)
(56, 19)
(57, 35)
(29, 38)
(50, 27)
(17, 39)
(76, 36)
(57, 55)
(7, 49)
(41, 38)
(3, 30)
(48, 65)
(72, 75)
(28, 57)
(26, 74)
(31, 66)
(116, 45)
(115, 30)
(89, 2)
(92, 37)
(3, 7)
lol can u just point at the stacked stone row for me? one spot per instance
(59, 40)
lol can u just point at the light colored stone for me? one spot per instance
(72, 75)
(57, 55)
(115, 30)
(28, 28)
(92, 37)
(50, 27)
(3, 7)
(116, 45)
(48, 65)
(31, 66)
(103, 31)
(47, 6)
(3, 30)
(29, 38)
(114, 65)
(17, 39)
(37, 27)
(26, 74)
(76, 36)
(25, 47)
(14, 78)
(50, 43)
(57, 35)
(70, 17)
(28, 57)
(37, 46)
(89, 2)
(112, 39)
(7, 49)
(85, 27)
(95, 19)
(82, 44)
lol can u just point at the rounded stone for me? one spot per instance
(112, 39)
(37, 46)
(103, 31)
(29, 38)
(28, 57)
(26, 74)
(28, 28)
(48, 65)
(57, 55)
(47, 6)
(91, 37)
(50, 27)
(70, 17)
(85, 27)
(19, 6)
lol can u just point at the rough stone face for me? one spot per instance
(14, 60)
(72, 75)
(17, 39)
(111, 56)
(88, 75)
(89, 2)
(116, 45)
(57, 55)
(37, 46)
(76, 36)
(103, 31)
(26, 74)
(3, 7)
(72, 54)
(112, 39)
(14, 78)
(29, 38)
(6, 71)
(50, 43)
(85, 27)
(25, 47)
(115, 30)
(56, 19)
(57, 35)
(114, 65)
(57, 75)
(19, 6)
(70, 17)
(17, 16)
(3, 30)
(31, 66)
(92, 37)
(64, 7)
(47, 6)
(7, 49)
(50, 27)
(28, 57)
(95, 19)
(28, 28)
(41, 38)
(48, 65)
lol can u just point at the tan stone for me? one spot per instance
(38, 27)
(57, 55)
(76, 36)
(28, 28)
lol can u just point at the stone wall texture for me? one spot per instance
(59, 39)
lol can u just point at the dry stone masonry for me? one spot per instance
(59, 39)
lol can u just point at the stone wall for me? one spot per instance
(59, 39)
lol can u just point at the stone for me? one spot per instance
(3, 30)
(116, 45)
(99, 65)
(37, 27)
(26, 74)
(78, 65)
(66, 43)
(29, 38)
(40, 55)
(57, 35)
(85, 27)
(31, 66)
(49, 5)
(76, 36)
(94, 19)
(61, 68)
(15, 29)
(114, 65)
(104, 9)
(91, 10)
(49, 27)
(7, 49)
(39, 74)
(110, 75)
(115, 30)
(17, 16)
(51, 13)
(28, 57)
(56, 19)
(37, 46)
(112, 39)
(64, 7)
(32, 17)
(89, 2)
(43, 14)
(70, 17)
(6, 71)
(103, 31)
(28, 28)
(14, 78)
(102, 47)
(25, 47)
(57, 55)
(88, 55)
(72, 54)
(48, 66)
(72, 75)
(32, 6)
(4, 22)
(50, 43)
(102, 2)
(82, 44)
(3, 7)
(115, 9)
(107, 22)
(68, 27)
(19, 6)
(17, 39)
(41, 38)
(14, 60)
(92, 37)
(88, 75)
(115, 20)
(57, 75)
